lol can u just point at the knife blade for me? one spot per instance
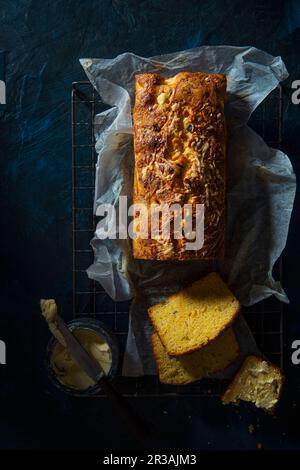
(85, 361)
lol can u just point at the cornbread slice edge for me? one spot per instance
(188, 368)
(185, 340)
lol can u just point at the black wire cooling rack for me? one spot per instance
(90, 300)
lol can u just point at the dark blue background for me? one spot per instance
(42, 42)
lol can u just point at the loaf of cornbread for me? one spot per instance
(257, 381)
(185, 369)
(193, 317)
(180, 146)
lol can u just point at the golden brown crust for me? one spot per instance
(180, 145)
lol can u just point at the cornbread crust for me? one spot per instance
(258, 381)
(193, 317)
(180, 146)
(185, 369)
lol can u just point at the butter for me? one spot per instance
(68, 371)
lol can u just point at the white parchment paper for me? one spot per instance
(261, 189)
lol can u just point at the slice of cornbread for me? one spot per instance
(190, 319)
(257, 381)
(187, 368)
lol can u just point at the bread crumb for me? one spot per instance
(251, 428)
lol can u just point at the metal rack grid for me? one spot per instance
(89, 299)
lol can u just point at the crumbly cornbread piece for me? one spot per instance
(257, 381)
(180, 148)
(193, 317)
(185, 369)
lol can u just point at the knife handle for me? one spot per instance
(125, 409)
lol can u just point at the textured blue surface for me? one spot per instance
(43, 42)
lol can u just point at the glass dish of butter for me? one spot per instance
(98, 341)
